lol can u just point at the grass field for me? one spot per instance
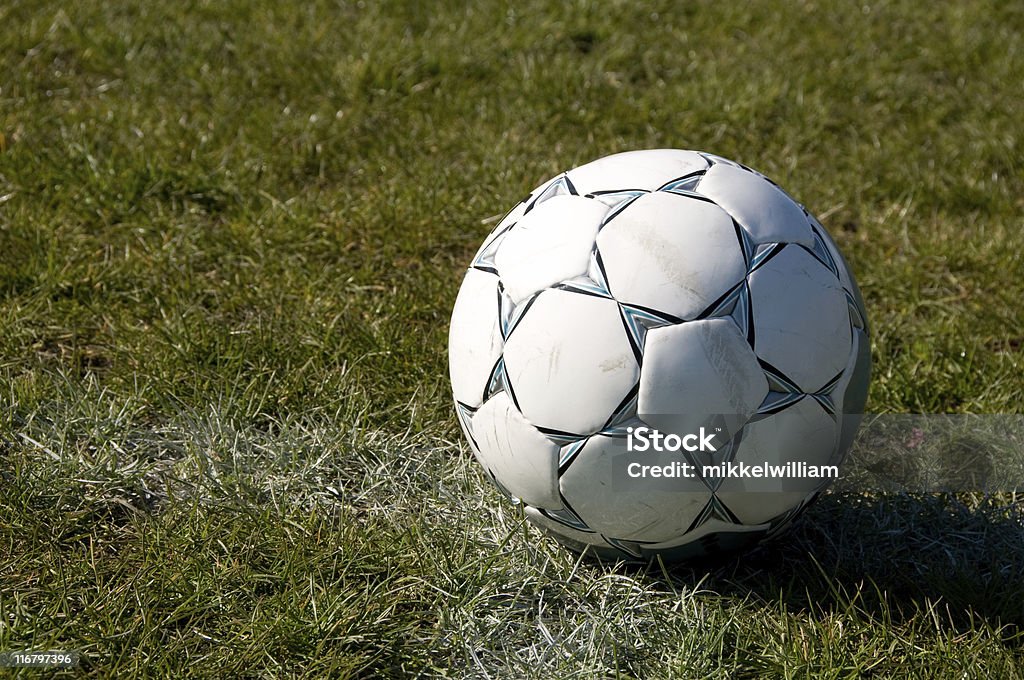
(231, 234)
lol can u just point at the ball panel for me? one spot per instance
(688, 248)
(569, 361)
(803, 432)
(590, 544)
(801, 318)
(559, 186)
(549, 244)
(474, 339)
(727, 537)
(851, 393)
(465, 417)
(845, 273)
(697, 370)
(484, 257)
(647, 170)
(766, 213)
(510, 218)
(523, 460)
(559, 530)
(646, 514)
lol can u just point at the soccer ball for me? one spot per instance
(663, 291)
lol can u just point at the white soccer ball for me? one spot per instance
(670, 290)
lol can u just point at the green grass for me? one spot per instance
(230, 237)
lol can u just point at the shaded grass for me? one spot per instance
(231, 236)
